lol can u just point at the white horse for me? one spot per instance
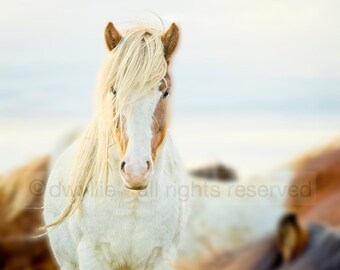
(111, 200)
(229, 215)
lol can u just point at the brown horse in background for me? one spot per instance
(322, 172)
(21, 197)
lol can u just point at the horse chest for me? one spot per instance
(130, 225)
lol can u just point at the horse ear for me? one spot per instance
(291, 237)
(112, 36)
(170, 40)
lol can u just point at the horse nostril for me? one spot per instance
(122, 165)
(148, 163)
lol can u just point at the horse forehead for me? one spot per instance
(145, 101)
(150, 101)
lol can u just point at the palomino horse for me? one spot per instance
(21, 197)
(292, 247)
(94, 208)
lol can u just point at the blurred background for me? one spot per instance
(255, 83)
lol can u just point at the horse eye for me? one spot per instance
(165, 94)
(113, 90)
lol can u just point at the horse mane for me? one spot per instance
(134, 68)
(17, 187)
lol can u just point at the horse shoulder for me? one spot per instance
(57, 186)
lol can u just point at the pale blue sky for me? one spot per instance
(240, 56)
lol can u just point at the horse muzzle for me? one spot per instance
(135, 174)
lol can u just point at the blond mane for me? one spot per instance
(133, 69)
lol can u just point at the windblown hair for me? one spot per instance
(134, 68)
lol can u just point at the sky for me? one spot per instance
(235, 57)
